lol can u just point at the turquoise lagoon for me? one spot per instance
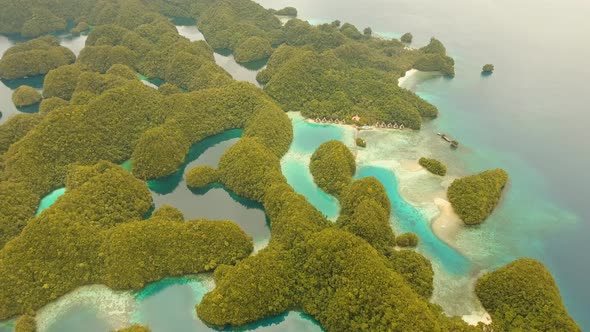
(49, 199)
(307, 137)
(407, 218)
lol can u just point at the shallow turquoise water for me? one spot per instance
(299, 177)
(295, 164)
(308, 136)
(169, 305)
(48, 200)
(410, 219)
(84, 317)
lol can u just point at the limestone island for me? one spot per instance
(488, 69)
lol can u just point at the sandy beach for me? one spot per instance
(448, 224)
(474, 319)
(113, 306)
(409, 73)
(410, 165)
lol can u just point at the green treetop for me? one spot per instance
(25, 95)
(26, 323)
(433, 166)
(16, 128)
(407, 240)
(488, 68)
(287, 11)
(475, 197)
(251, 49)
(201, 176)
(332, 166)
(406, 38)
(523, 296)
(34, 57)
(135, 328)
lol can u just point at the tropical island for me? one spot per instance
(406, 38)
(34, 57)
(487, 69)
(353, 274)
(475, 197)
(25, 95)
(433, 166)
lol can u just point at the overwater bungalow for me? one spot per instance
(395, 126)
(401, 126)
